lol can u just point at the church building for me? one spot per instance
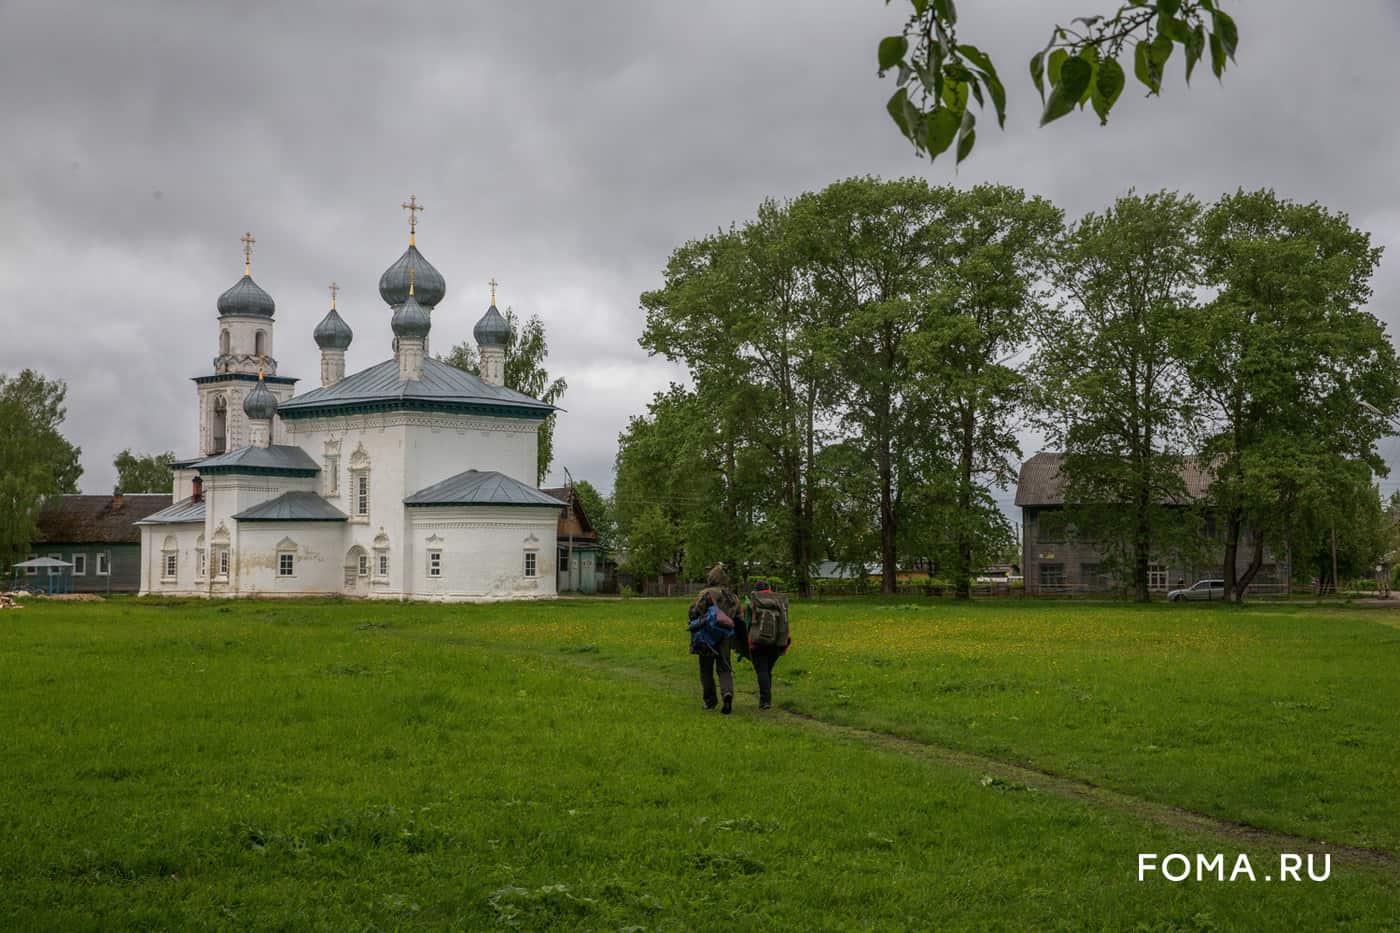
(407, 480)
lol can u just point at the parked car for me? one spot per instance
(1201, 589)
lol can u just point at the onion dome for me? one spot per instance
(411, 319)
(491, 330)
(428, 284)
(260, 405)
(333, 333)
(246, 298)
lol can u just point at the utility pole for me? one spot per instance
(569, 508)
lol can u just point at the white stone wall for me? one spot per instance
(243, 339)
(153, 550)
(483, 552)
(317, 550)
(236, 426)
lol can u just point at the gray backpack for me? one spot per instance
(769, 626)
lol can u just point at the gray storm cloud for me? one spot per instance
(563, 148)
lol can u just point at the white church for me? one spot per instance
(407, 480)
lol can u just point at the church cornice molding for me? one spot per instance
(410, 406)
(243, 377)
(373, 421)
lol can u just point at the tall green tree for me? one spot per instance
(938, 77)
(527, 349)
(36, 461)
(990, 286)
(1296, 377)
(877, 247)
(1112, 393)
(737, 308)
(144, 472)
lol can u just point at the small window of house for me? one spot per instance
(381, 559)
(104, 563)
(363, 569)
(55, 571)
(434, 563)
(286, 564)
(222, 562)
(79, 565)
(563, 558)
(1156, 576)
(170, 565)
(530, 557)
(1052, 574)
(361, 492)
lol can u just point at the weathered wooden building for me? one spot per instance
(579, 562)
(1057, 560)
(97, 534)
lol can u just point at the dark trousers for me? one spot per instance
(764, 657)
(709, 663)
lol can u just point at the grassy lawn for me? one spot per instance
(380, 766)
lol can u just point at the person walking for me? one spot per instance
(766, 628)
(711, 630)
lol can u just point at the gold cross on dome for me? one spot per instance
(334, 289)
(247, 241)
(413, 207)
(261, 358)
(492, 283)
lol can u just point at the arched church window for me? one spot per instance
(260, 343)
(169, 559)
(218, 436)
(223, 342)
(381, 556)
(359, 484)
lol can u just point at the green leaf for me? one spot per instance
(1168, 8)
(979, 58)
(1227, 31)
(1057, 61)
(1108, 84)
(892, 49)
(998, 95)
(967, 135)
(895, 105)
(1161, 49)
(1175, 29)
(946, 11)
(1142, 67)
(1195, 47)
(1217, 55)
(1038, 73)
(1091, 55)
(940, 128)
(1074, 78)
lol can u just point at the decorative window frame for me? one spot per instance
(103, 566)
(362, 565)
(360, 474)
(79, 564)
(170, 560)
(287, 557)
(380, 567)
(531, 563)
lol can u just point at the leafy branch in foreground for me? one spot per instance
(938, 77)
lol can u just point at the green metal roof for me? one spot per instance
(293, 507)
(278, 459)
(442, 388)
(481, 487)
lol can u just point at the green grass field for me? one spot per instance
(364, 766)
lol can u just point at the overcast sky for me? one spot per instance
(564, 148)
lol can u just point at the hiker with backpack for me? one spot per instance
(712, 618)
(768, 636)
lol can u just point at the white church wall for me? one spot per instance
(443, 445)
(159, 541)
(316, 551)
(482, 553)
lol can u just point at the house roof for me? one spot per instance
(40, 562)
(297, 506)
(574, 524)
(442, 387)
(481, 487)
(277, 458)
(186, 511)
(97, 519)
(1041, 482)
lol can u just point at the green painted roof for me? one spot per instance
(293, 507)
(481, 487)
(442, 388)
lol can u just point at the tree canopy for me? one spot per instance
(36, 461)
(144, 472)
